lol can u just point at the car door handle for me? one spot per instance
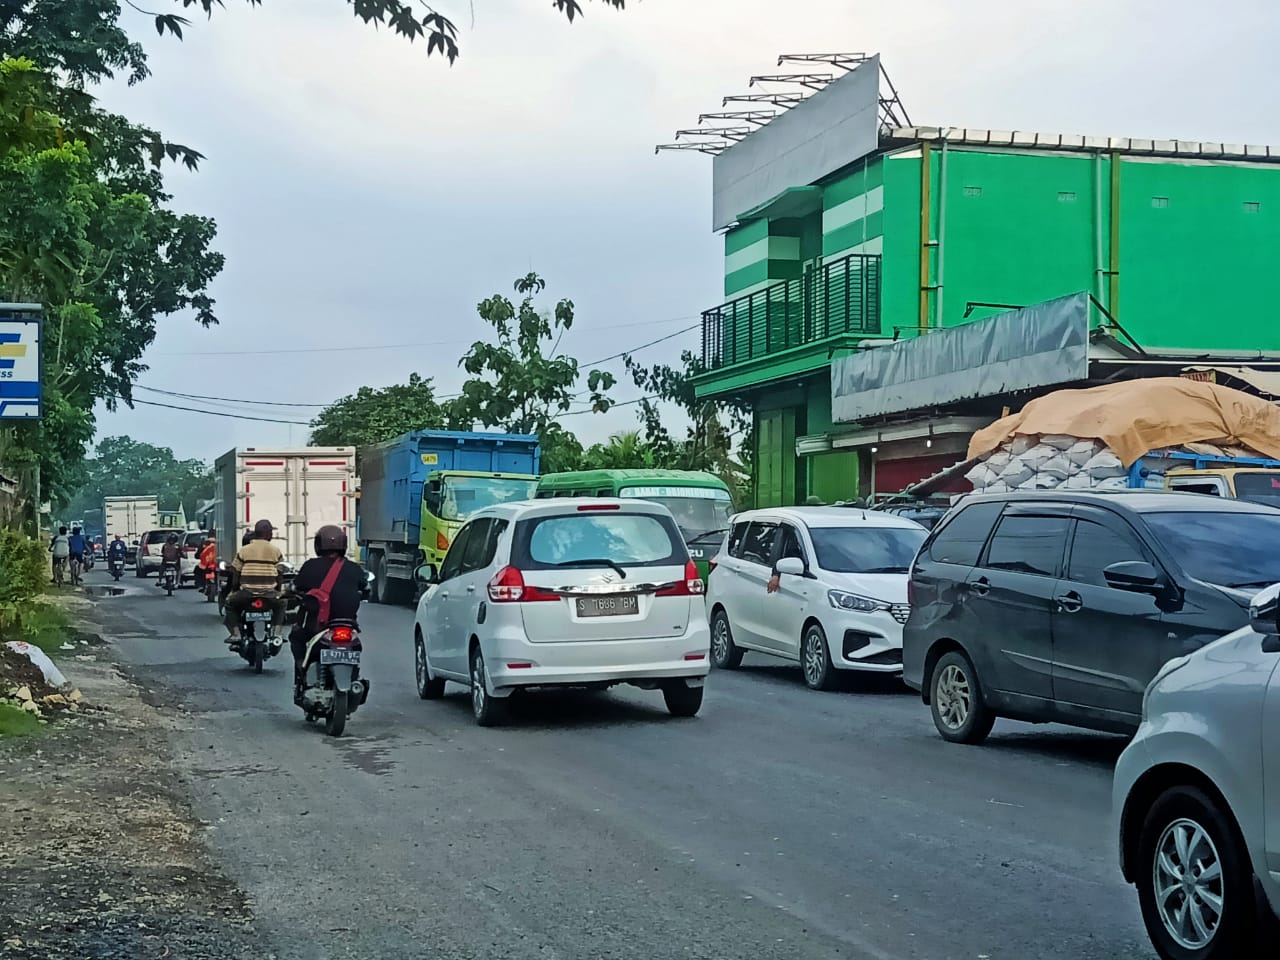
(980, 586)
(471, 589)
(444, 594)
(1070, 602)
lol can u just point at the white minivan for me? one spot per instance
(841, 592)
(564, 593)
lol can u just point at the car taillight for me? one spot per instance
(508, 586)
(341, 634)
(442, 542)
(690, 586)
(592, 507)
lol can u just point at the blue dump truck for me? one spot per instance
(417, 491)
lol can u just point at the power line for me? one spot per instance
(643, 346)
(197, 396)
(213, 413)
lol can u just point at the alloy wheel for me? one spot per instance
(814, 658)
(478, 692)
(420, 665)
(1188, 883)
(720, 641)
(954, 696)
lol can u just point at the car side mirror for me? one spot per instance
(426, 573)
(1136, 576)
(1264, 612)
(791, 566)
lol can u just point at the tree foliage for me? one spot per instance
(521, 382)
(624, 451)
(122, 467)
(373, 415)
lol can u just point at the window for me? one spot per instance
(1252, 206)
(496, 529)
(605, 492)
(866, 549)
(452, 565)
(973, 191)
(473, 552)
(757, 545)
(1028, 544)
(629, 539)
(961, 538)
(1259, 488)
(736, 536)
(1066, 196)
(1095, 547)
(1235, 549)
(1210, 487)
(1160, 203)
(790, 545)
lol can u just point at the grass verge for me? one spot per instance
(38, 622)
(16, 722)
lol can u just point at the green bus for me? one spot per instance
(699, 501)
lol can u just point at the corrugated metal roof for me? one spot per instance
(1189, 149)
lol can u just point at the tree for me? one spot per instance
(372, 416)
(522, 382)
(624, 451)
(123, 467)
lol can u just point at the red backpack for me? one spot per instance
(322, 592)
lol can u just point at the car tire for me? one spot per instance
(1187, 817)
(725, 654)
(139, 572)
(489, 711)
(429, 687)
(682, 700)
(815, 659)
(959, 710)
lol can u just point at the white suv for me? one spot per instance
(564, 593)
(1197, 797)
(842, 590)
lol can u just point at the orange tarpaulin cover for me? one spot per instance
(1137, 416)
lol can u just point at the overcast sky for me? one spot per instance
(367, 195)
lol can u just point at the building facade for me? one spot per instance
(937, 227)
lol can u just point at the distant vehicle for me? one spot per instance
(1061, 607)
(417, 490)
(149, 546)
(842, 592)
(699, 501)
(564, 593)
(928, 515)
(191, 542)
(1194, 796)
(130, 517)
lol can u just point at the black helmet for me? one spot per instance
(247, 538)
(264, 530)
(331, 539)
(173, 538)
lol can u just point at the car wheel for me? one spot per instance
(1195, 885)
(959, 711)
(815, 659)
(429, 687)
(489, 711)
(139, 572)
(682, 699)
(725, 654)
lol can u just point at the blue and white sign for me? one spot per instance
(19, 367)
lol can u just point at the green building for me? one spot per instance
(899, 232)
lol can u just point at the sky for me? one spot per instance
(368, 197)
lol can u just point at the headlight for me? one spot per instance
(852, 601)
(1174, 664)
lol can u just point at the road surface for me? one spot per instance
(780, 823)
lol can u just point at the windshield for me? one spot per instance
(460, 497)
(701, 514)
(1259, 488)
(603, 539)
(1229, 549)
(866, 549)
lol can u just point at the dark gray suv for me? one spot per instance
(1061, 607)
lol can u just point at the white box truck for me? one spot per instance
(130, 517)
(299, 490)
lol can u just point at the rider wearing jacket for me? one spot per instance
(118, 552)
(207, 562)
(255, 575)
(345, 593)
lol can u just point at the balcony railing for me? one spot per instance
(840, 297)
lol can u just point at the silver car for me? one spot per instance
(1197, 796)
(564, 593)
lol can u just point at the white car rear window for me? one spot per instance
(623, 538)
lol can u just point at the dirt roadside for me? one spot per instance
(100, 855)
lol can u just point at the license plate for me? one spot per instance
(620, 606)
(330, 656)
(258, 616)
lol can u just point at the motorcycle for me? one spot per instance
(331, 686)
(116, 567)
(255, 650)
(169, 578)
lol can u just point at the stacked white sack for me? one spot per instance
(1050, 463)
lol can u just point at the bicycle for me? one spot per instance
(58, 565)
(77, 566)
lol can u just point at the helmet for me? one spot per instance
(331, 539)
(264, 530)
(173, 538)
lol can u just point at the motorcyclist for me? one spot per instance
(255, 575)
(170, 556)
(60, 547)
(118, 551)
(345, 591)
(207, 564)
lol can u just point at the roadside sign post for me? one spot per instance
(20, 361)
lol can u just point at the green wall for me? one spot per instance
(781, 477)
(853, 211)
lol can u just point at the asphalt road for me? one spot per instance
(780, 823)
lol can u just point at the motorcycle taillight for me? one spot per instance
(258, 604)
(341, 634)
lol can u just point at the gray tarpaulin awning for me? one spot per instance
(1036, 346)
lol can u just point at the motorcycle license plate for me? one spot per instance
(619, 606)
(332, 657)
(258, 616)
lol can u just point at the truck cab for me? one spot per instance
(450, 498)
(1258, 485)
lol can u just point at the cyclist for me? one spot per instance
(76, 544)
(60, 547)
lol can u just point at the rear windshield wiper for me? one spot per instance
(705, 535)
(601, 562)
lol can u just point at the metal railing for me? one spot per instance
(840, 297)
